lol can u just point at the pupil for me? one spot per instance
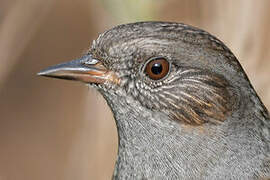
(156, 68)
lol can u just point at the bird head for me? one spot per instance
(170, 68)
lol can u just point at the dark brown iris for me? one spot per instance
(157, 68)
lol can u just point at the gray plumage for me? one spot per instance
(203, 120)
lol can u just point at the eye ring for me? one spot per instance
(157, 68)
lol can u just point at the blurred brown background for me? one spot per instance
(61, 130)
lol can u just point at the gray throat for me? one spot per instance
(151, 146)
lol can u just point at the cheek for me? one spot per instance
(147, 95)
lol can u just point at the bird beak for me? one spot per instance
(86, 70)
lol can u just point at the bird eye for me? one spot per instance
(157, 68)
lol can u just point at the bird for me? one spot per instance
(183, 105)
